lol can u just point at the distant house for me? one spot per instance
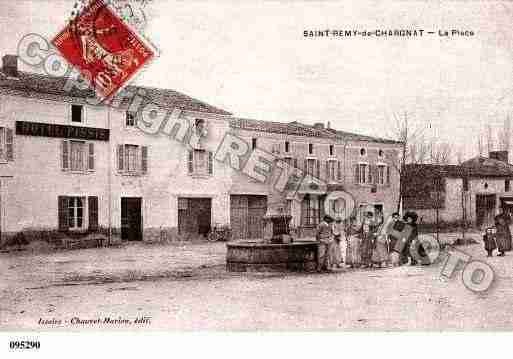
(475, 189)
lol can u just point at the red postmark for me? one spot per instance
(104, 49)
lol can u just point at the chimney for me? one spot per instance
(10, 65)
(328, 125)
(499, 155)
(319, 125)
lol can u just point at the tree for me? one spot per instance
(403, 132)
(480, 145)
(440, 153)
(489, 139)
(504, 134)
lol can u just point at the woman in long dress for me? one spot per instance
(380, 252)
(367, 239)
(338, 228)
(503, 235)
(353, 257)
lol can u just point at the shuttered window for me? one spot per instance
(200, 162)
(6, 144)
(339, 171)
(90, 161)
(132, 159)
(144, 159)
(75, 212)
(77, 156)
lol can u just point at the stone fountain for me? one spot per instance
(277, 253)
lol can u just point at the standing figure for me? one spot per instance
(338, 228)
(489, 240)
(381, 249)
(325, 248)
(503, 235)
(367, 239)
(410, 218)
(394, 244)
(353, 257)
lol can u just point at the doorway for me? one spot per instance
(194, 217)
(485, 209)
(131, 218)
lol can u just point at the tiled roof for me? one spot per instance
(482, 166)
(475, 167)
(277, 127)
(301, 129)
(52, 88)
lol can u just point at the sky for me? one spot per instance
(252, 59)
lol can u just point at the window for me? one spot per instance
(310, 211)
(6, 145)
(310, 148)
(465, 184)
(77, 113)
(506, 185)
(363, 152)
(380, 153)
(200, 162)
(132, 159)
(310, 168)
(331, 150)
(287, 146)
(253, 143)
(331, 170)
(75, 213)
(77, 156)
(362, 173)
(131, 119)
(381, 175)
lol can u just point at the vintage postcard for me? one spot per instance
(255, 166)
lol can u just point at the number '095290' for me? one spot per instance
(24, 344)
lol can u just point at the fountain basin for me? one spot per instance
(246, 256)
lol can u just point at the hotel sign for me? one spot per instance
(61, 131)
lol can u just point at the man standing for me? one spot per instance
(324, 251)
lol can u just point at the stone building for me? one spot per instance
(148, 166)
(473, 191)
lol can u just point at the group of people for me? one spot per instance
(373, 242)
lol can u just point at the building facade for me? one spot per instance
(474, 191)
(151, 172)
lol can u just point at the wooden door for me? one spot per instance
(239, 216)
(257, 207)
(131, 218)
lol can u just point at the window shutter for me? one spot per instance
(210, 163)
(120, 158)
(339, 171)
(356, 173)
(387, 168)
(295, 162)
(63, 213)
(92, 206)
(65, 155)
(373, 174)
(90, 162)
(318, 168)
(305, 167)
(144, 159)
(190, 158)
(327, 170)
(9, 142)
(370, 173)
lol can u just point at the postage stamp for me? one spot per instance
(103, 48)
